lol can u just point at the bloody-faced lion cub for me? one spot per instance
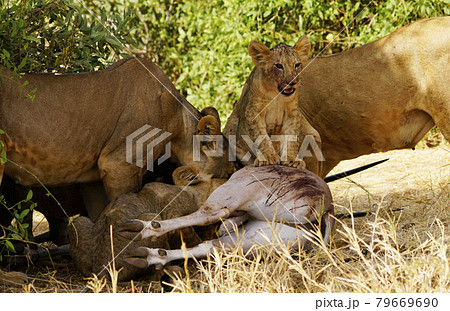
(267, 115)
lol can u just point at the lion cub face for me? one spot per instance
(282, 64)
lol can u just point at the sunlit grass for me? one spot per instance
(388, 251)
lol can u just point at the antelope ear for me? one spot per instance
(186, 175)
(259, 53)
(208, 125)
(302, 47)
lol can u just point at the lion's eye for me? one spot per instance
(279, 66)
(298, 65)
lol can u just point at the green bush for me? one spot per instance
(38, 36)
(53, 36)
(18, 230)
(202, 45)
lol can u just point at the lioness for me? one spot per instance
(268, 106)
(384, 95)
(76, 128)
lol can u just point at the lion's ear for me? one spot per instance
(259, 53)
(302, 47)
(211, 111)
(208, 125)
(186, 175)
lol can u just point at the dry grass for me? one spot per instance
(402, 251)
(387, 251)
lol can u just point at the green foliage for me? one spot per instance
(39, 35)
(18, 230)
(2, 150)
(53, 36)
(202, 45)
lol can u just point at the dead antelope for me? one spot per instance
(268, 201)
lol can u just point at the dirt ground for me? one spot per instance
(417, 182)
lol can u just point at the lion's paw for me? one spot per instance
(272, 159)
(295, 163)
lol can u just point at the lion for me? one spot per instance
(90, 241)
(381, 96)
(76, 128)
(268, 107)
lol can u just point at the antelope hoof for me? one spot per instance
(137, 257)
(140, 252)
(131, 230)
(143, 257)
(137, 262)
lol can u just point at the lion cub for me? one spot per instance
(268, 106)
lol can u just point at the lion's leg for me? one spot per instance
(95, 199)
(327, 166)
(264, 149)
(313, 163)
(310, 138)
(118, 176)
(290, 148)
(443, 123)
(438, 104)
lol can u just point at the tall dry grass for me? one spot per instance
(375, 261)
(387, 251)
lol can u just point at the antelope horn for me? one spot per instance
(352, 171)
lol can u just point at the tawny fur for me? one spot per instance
(13, 278)
(381, 96)
(75, 129)
(268, 106)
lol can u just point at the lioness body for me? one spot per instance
(384, 95)
(268, 106)
(75, 129)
